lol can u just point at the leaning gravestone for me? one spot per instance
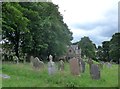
(61, 65)
(74, 66)
(95, 71)
(37, 64)
(5, 76)
(51, 66)
(82, 63)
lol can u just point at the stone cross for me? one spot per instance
(74, 66)
(95, 71)
(51, 57)
(51, 66)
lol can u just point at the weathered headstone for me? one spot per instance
(61, 65)
(90, 62)
(16, 60)
(100, 65)
(109, 65)
(37, 64)
(31, 59)
(24, 58)
(5, 76)
(82, 66)
(51, 66)
(95, 71)
(74, 66)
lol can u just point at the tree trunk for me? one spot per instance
(17, 37)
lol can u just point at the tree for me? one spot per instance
(40, 32)
(114, 47)
(105, 46)
(50, 25)
(14, 25)
(88, 48)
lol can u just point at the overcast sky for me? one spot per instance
(97, 19)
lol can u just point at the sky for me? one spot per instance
(97, 19)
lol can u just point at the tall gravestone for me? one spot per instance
(51, 66)
(90, 62)
(74, 66)
(31, 59)
(61, 65)
(82, 65)
(95, 71)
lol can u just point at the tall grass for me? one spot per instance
(23, 75)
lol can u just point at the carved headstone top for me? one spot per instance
(51, 66)
(50, 57)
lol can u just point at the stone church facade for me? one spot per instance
(73, 51)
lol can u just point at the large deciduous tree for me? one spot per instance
(114, 52)
(36, 28)
(14, 25)
(88, 48)
(105, 46)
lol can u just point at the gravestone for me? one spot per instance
(51, 66)
(74, 66)
(31, 59)
(5, 76)
(37, 64)
(24, 58)
(95, 71)
(109, 65)
(82, 66)
(16, 60)
(90, 62)
(61, 65)
(100, 65)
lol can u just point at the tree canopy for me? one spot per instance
(87, 47)
(34, 28)
(110, 50)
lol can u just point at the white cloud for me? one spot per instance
(94, 12)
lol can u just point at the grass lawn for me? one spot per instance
(23, 75)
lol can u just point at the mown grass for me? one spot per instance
(23, 75)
